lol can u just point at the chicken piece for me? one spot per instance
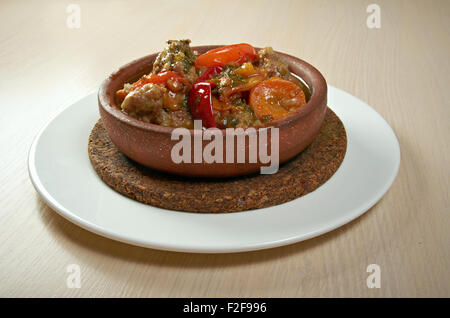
(145, 102)
(177, 57)
(177, 118)
(274, 65)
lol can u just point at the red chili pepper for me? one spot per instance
(209, 73)
(200, 103)
(200, 97)
(221, 56)
(160, 78)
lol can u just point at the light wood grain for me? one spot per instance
(402, 70)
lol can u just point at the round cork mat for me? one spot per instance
(299, 176)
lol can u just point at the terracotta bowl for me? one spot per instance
(151, 145)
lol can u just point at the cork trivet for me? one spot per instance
(299, 176)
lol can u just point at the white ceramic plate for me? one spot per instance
(60, 170)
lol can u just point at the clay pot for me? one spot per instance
(151, 145)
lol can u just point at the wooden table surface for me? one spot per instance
(401, 70)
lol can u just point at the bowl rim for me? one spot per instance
(314, 79)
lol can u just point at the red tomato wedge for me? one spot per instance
(238, 53)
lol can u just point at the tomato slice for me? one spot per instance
(238, 53)
(275, 97)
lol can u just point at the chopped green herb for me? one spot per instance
(266, 119)
(185, 102)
